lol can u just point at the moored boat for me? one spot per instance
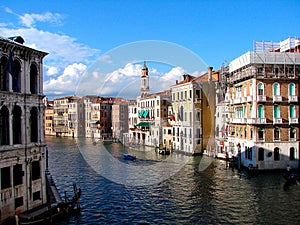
(49, 213)
(129, 157)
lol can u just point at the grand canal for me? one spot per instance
(191, 194)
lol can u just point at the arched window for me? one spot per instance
(292, 89)
(276, 112)
(276, 134)
(16, 77)
(292, 111)
(261, 111)
(33, 79)
(17, 125)
(292, 153)
(276, 89)
(276, 154)
(34, 125)
(292, 133)
(3, 74)
(261, 154)
(4, 126)
(261, 134)
(260, 89)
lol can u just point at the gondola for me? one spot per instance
(51, 213)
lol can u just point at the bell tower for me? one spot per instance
(144, 81)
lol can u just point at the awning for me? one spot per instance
(146, 113)
(141, 113)
(143, 124)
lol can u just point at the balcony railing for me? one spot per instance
(238, 120)
(257, 120)
(293, 98)
(249, 98)
(237, 101)
(293, 120)
(261, 98)
(277, 120)
(277, 98)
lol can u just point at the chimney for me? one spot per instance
(210, 73)
(176, 81)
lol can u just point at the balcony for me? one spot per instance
(277, 98)
(237, 101)
(293, 98)
(238, 120)
(293, 120)
(261, 98)
(244, 99)
(249, 98)
(277, 120)
(257, 121)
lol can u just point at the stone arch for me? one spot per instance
(33, 79)
(4, 81)
(16, 76)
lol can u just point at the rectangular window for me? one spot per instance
(36, 170)
(18, 202)
(18, 174)
(5, 178)
(36, 195)
(276, 134)
(198, 94)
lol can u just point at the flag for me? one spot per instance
(10, 68)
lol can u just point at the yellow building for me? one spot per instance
(193, 109)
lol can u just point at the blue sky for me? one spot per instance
(79, 35)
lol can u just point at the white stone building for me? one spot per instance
(264, 105)
(22, 145)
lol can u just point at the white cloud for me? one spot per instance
(30, 19)
(67, 82)
(122, 82)
(106, 58)
(63, 50)
(51, 70)
(174, 74)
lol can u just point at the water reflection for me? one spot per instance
(215, 195)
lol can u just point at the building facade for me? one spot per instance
(263, 105)
(119, 120)
(148, 115)
(48, 118)
(22, 145)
